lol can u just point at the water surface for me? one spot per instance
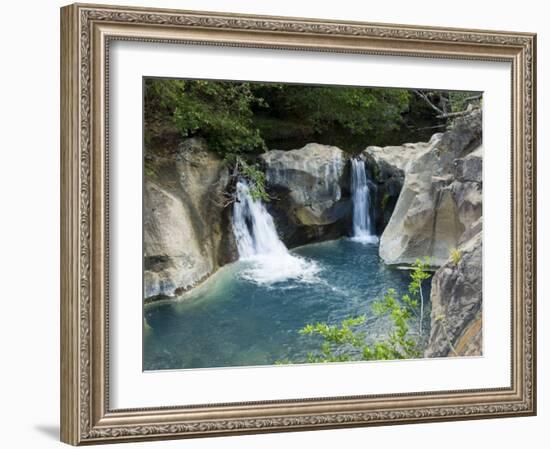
(250, 312)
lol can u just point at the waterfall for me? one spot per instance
(267, 258)
(253, 227)
(362, 222)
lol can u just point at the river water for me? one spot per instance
(250, 312)
(232, 320)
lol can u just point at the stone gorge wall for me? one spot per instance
(187, 230)
(438, 213)
(440, 198)
(387, 167)
(456, 321)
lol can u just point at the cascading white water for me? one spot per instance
(362, 223)
(253, 227)
(259, 245)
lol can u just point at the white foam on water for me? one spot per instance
(365, 238)
(268, 269)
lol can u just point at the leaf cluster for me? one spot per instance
(455, 255)
(221, 112)
(242, 117)
(256, 179)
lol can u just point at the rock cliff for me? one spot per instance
(187, 232)
(430, 196)
(440, 197)
(387, 167)
(456, 325)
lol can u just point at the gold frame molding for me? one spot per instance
(86, 31)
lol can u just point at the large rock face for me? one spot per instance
(440, 197)
(433, 194)
(387, 167)
(456, 325)
(311, 187)
(187, 232)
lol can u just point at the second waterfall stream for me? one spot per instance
(363, 229)
(259, 245)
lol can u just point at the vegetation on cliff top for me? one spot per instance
(250, 117)
(244, 117)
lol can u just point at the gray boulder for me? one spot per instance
(440, 197)
(470, 167)
(174, 260)
(311, 188)
(387, 167)
(393, 161)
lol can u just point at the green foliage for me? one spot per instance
(239, 117)
(399, 344)
(149, 171)
(347, 342)
(219, 111)
(455, 255)
(283, 362)
(418, 275)
(255, 178)
(355, 109)
(340, 342)
(459, 100)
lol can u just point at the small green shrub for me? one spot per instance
(150, 172)
(256, 179)
(455, 255)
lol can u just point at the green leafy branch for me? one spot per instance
(418, 275)
(254, 176)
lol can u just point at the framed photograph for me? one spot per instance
(279, 224)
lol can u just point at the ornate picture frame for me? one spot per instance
(87, 32)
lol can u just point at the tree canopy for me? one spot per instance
(239, 118)
(219, 111)
(244, 117)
